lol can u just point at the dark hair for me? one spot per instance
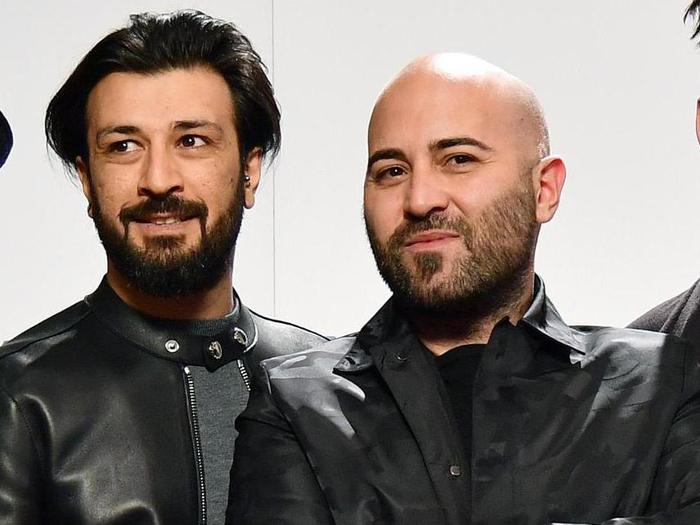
(153, 43)
(5, 139)
(693, 11)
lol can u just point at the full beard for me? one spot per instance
(163, 267)
(488, 277)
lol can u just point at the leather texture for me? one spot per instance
(588, 425)
(94, 420)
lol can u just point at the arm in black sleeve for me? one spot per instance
(675, 494)
(271, 479)
(20, 471)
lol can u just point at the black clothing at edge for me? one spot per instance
(98, 416)
(587, 425)
(679, 316)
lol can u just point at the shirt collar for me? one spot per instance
(169, 339)
(541, 316)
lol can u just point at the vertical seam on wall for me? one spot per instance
(274, 173)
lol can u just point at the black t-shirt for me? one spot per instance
(457, 368)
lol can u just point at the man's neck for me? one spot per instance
(215, 303)
(442, 332)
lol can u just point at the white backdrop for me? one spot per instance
(618, 81)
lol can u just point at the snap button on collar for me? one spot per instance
(215, 350)
(240, 336)
(172, 346)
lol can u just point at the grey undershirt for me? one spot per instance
(220, 396)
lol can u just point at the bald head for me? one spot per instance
(466, 81)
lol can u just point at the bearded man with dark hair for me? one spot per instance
(120, 409)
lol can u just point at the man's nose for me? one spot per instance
(160, 174)
(425, 193)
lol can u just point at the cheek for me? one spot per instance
(114, 186)
(109, 198)
(382, 215)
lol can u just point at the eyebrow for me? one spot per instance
(458, 141)
(383, 154)
(126, 130)
(192, 124)
(178, 125)
(437, 145)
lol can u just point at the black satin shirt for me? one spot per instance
(586, 425)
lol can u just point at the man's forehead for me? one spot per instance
(177, 95)
(428, 115)
(422, 106)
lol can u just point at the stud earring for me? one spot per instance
(247, 180)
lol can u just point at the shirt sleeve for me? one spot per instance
(271, 479)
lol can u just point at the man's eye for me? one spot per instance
(393, 171)
(192, 141)
(122, 146)
(461, 159)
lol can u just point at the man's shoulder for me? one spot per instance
(276, 337)
(318, 360)
(631, 346)
(28, 351)
(677, 315)
(47, 329)
(290, 378)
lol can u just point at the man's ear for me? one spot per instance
(697, 120)
(252, 170)
(548, 177)
(84, 175)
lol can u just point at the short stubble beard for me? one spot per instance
(489, 277)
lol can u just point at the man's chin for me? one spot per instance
(153, 244)
(431, 276)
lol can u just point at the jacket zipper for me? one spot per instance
(244, 373)
(197, 443)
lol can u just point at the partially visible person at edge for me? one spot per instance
(120, 409)
(466, 398)
(5, 139)
(679, 315)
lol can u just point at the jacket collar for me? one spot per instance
(170, 339)
(541, 316)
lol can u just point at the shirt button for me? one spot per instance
(455, 470)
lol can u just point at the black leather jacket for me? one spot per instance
(98, 424)
(570, 425)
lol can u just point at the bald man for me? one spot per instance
(466, 398)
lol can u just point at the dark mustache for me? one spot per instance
(431, 222)
(172, 205)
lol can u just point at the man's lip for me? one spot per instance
(430, 236)
(163, 218)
